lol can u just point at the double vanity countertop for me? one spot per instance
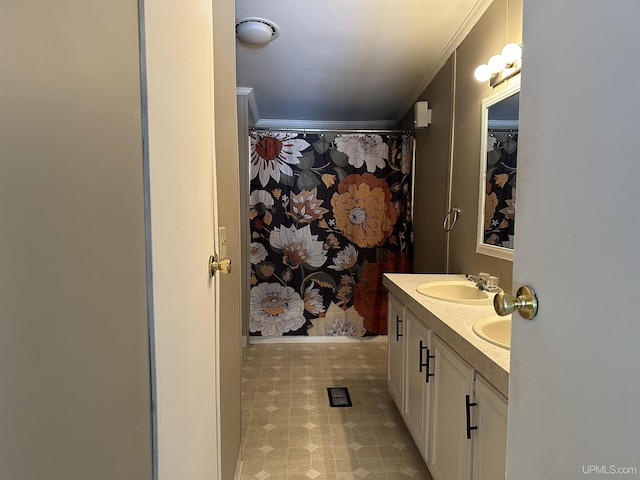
(453, 323)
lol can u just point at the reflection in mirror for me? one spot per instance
(497, 202)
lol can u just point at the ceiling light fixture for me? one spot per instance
(255, 31)
(502, 66)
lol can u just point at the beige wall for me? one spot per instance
(229, 216)
(433, 155)
(74, 358)
(74, 335)
(500, 24)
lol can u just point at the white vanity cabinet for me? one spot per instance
(452, 385)
(419, 366)
(457, 419)
(395, 351)
(468, 421)
(410, 363)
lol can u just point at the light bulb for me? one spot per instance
(482, 73)
(511, 52)
(497, 63)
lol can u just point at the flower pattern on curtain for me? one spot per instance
(500, 202)
(329, 213)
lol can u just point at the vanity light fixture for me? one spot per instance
(256, 31)
(502, 66)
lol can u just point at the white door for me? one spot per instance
(574, 395)
(395, 370)
(419, 359)
(490, 438)
(181, 165)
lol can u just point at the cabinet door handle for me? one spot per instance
(429, 374)
(398, 322)
(426, 362)
(468, 405)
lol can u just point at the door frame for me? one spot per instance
(180, 190)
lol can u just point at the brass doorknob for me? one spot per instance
(219, 265)
(525, 302)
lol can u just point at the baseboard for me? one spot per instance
(238, 472)
(316, 339)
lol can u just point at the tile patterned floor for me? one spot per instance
(291, 433)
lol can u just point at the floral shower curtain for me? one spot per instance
(329, 213)
(500, 202)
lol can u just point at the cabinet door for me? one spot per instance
(452, 382)
(490, 438)
(419, 367)
(395, 372)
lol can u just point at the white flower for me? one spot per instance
(369, 149)
(258, 252)
(338, 323)
(298, 246)
(313, 300)
(491, 143)
(260, 196)
(345, 259)
(275, 309)
(272, 153)
(340, 327)
(260, 203)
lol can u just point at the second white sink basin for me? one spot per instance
(494, 329)
(456, 291)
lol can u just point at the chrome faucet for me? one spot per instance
(482, 282)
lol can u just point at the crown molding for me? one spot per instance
(274, 124)
(251, 99)
(474, 16)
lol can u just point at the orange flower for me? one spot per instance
(370, 296)
(363, 211)
(490, 204)
(501, 179)
(328, 179)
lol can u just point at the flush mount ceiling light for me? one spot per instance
(502, 66)
(256, 31)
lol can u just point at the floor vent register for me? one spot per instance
(339, 397)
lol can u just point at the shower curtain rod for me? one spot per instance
(327, 130)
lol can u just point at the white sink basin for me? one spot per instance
(494, 329)
(456, 291)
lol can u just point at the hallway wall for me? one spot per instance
(74, 356)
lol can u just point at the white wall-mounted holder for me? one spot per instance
(422, 114)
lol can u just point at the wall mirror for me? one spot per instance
(498, 161)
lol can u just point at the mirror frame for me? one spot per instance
(481, 247)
